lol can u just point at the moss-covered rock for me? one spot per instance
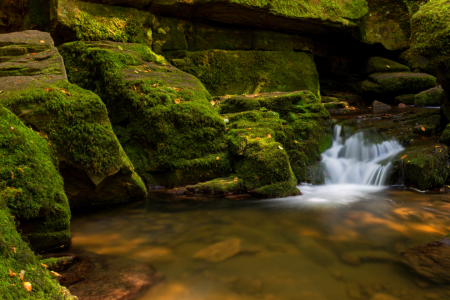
(445, 137)
(335, 105)
(383, 65)
(80, 20)
(408, 99)
(249, 72)
(394, 84)
(431, 97)
(388, 23)
(220, 186)
(30, 184)
(162, 116)
(430, 38)
(300, 16)
(424, 167)
(74, 120)
(16, 256)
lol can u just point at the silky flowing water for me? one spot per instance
(337, 241)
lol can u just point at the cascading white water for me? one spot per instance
(355, 160)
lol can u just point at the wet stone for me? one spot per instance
(220, 251)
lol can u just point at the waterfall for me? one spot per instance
(362, 158)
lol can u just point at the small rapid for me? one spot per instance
(362, 158)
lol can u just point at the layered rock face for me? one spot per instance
(34, 86)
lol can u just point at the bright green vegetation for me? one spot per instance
(94, 22)
(30, 184)
(15, 255)
(249, 72)
(424, 167)
(384, 65)
(431, 97)
(224, 186)
(162, 116)
(77, 125)
(274, 137)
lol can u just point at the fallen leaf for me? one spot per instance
(134, 87)
(258, 138)
(423, 128)
(217, 158)
(235, 179)
(20, 80)
(33, 53)
(20, 170)
(177, 101)
(54, 273)
(75, 69)
(42, 41)
(49, 144)
(212, 102)
(120, 48)
(280, 147)
(27, 286)
(12, 129)
(154, 85)
(48, 89)
(66, 92)
(403, 157)
(248, 128)
(269, 136)
(44, 265)
(388, 66)
(111, 31)
(136, 72)
(11, 273)
(1, 91)
(12, 175)
(21, 274)
(50, 77)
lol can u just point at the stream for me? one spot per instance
(340, 240)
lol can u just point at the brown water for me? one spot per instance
(296, 248)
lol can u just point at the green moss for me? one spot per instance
(16, 256)
(394, 84)
(445, 137)
(249, 72)
(407, 99)
(431, 97)
(425, 167)
(94, 22)
(325, 99)
(225, 186)
(162, 116)
(169, 35)
(384, 65)
(31, 185)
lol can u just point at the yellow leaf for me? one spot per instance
(154, 85)
(14, 249)
(27, 286)
(65, 92)
(269, 136)
(12, 175)
(177, 101)
(54, 273)
(75, 69)
(136, 72)
(48, 89)
(217, 158)
(437, 146)
(42, 41)
(248, 128)
(44, 265)
(423, 128)
(12, 129)
(20, 170)
(21, 274)
(388, 66)
(403, 157)
(212, 102)
(11, 273)
(258, 138)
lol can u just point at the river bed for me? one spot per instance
(304, 247)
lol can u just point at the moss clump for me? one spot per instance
(407, 99)
(95, 22)
(30, 184)
(383, 65)
(425, 167)
(16, 256)
(445, 137)
(162, 116)
(249, 72)
(431, 97)
(221, 186)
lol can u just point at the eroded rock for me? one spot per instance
(220, 251)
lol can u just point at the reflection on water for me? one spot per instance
(316, 246)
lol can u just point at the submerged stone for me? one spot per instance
(220, 251)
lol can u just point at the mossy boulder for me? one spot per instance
(162, 116)
(408, 99)
(249, 72)
(425, 166)
(383, 65)
(299, 16)
(335, 105)
(445, 137)
(75, 121)
(387, 23)
(30, 184)
(430, 38)
(16, 256)
(220, 186)
(389, 85)
(431, 97)
(80, 20)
